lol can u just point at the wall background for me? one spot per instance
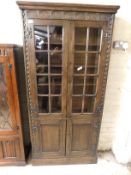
(115, 131)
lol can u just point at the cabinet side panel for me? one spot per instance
(19, 62)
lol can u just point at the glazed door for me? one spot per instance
(86, 55)
(48, 86)
(7, 111)
(9, 130)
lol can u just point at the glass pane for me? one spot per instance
(92, 70)
(55, 104)
(79, 59)
(78, 80)
(91, 80)
(55, 63)
(80, 38)
(43, 89)
(94, 39)
(76, 104)
(55, 89)
(41, 37)
(42, 79)
(78, 89)
(56, 69)
(56, 84)
(55, 38)
(5, 115)
(43, 104)
(90, 89)
(42, 62)
(89, 104)
(92, 59)
(56, 59)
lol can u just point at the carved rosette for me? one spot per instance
(41, 14)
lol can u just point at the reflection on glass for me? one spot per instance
(55, 104)
(42, 79)
(76, 104)
(43, 104)
(41, 37)
(94, 39)
(55, 59)
(79, 69)
(89, 104)
(42, 62)
(55, 37)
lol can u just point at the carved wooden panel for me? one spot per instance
(9, 149)
(83, 137)
(49, 137)
(40, 14)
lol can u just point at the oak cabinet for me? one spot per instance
(11, 139)
(67, 49)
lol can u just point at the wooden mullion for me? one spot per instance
(86, 60)
(49, 81)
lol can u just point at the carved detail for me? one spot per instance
(26, 55)
(29, 32)
(40, 14)
(35, 136)
(3, 52)
(108, 38)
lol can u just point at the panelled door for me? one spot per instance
(66, 73)
(49, 86)
(9, 131)
(86, 55)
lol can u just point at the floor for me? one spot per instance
(106, 165)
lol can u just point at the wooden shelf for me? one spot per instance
(90, 75)
(47, 95)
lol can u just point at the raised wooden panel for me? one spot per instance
(83, 136)
(10, 149)
(80, 140)
(49, 138)
(53, 137)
